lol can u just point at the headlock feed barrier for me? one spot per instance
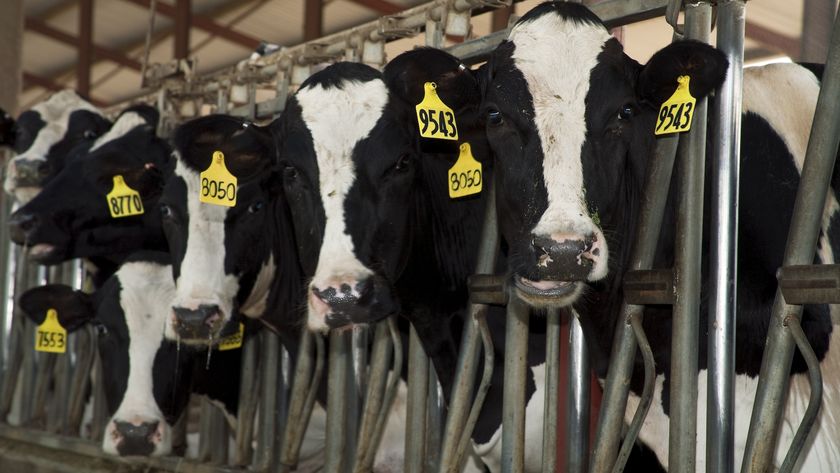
(43, 397)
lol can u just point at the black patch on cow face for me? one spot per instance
(570, 11)
(341, 73)
(71, 212)
(29, 123)
(113, 340)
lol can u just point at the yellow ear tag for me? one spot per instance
(676, 113)
(123, 201)
(232, 342)
(465, 176)
(218, 185)
(51, 337)
(435, 118)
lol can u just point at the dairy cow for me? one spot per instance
(571, 119)
(43, 138)
(72, 216)
(147, 379)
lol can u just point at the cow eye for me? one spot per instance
(165, 211)
(627, 112)
(101, 330)
(89, 134)
(404, 163)
(290, 172)
(494, 117)
(256, 207)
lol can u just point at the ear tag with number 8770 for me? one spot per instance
(434, 118)
(465, 176)
(232, 342)
(218, 185)
(676, 113)
(123, 201)
(51, 337)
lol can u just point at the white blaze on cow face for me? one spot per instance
(202, 279)
(337, 119)
(556, 56)
(147, 291)
(127, 122)
(55, 112)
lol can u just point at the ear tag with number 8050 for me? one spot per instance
(435, 118)
(465, 175)
(123, 201)
(51, 337)
(218, 185)
(232, 342)
(676, 113)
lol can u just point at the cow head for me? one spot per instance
(570, 119)
(222, 256)
(351, 157)
(70, 217)
(146, 381)
(44, 137)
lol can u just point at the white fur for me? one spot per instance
(338, 119)
(202, 278)
(127, 122)
(491, 452)
(558, 80)
(55, 112)
(256, 303)
(147, 289)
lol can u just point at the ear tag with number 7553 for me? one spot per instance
(218, 185)
(51, 337)
(232, 342)
(465, 175)
(676, 113)
(123, 201)
(434, 118)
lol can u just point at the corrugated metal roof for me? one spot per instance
(121, 25)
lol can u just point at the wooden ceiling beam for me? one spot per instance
(37, 26)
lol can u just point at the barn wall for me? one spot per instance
(11, 34)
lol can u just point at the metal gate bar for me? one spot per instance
(614, 401)
(416, 406)
(726, 120)
(578, 396)
(513, 396)
(688, 248)
(804, 230)
(302, 397)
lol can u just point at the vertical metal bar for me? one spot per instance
(269, 355)
(687, 281)
(6, 279)
(304, 387)
(361, 339)
(577, 400)
(337, 413)
(84, 48)
(614, 401)
(31, 278)
(213, 433)
(249, 387)
(434, 420)
(552, 386)
(462, 389)
(374, 399)
(100, 410)
(801, 245)
(418, 388)
(513, 410)
(720, 418)
(86, 349)
(282, 397)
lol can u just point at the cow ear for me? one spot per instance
(457, 85)
(7, 129)
(705, 65)
(75, 308)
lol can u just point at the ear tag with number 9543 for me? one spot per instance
(123, 201)
(434, 118)
(232, 342)
(51, 337)
(465, 176)
(676, 113)
(218, 185)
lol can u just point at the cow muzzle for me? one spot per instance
(339, 304)
(201, 323)
(137, 438)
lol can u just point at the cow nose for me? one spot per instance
(350, 302)
(136, 439)
(565, 257)
(21, 225)
(203, 322)
(30, 172)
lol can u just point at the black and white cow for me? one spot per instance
(570, 119)
(70, 217)
(44, 137)
(229, 260)
(147, 379)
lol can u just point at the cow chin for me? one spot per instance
(547, 294)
